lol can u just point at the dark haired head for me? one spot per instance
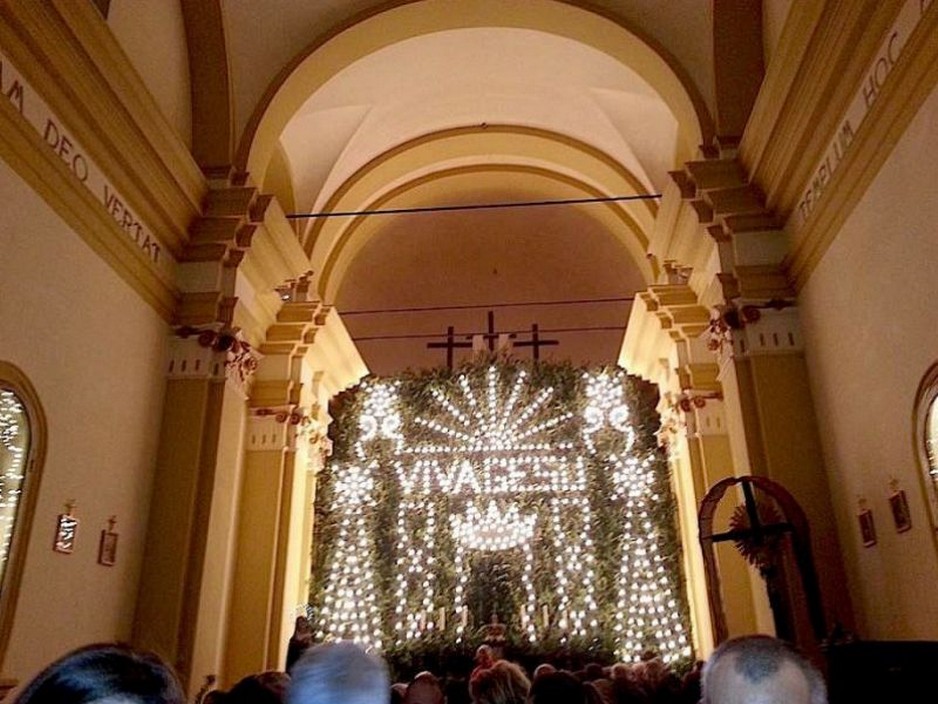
(264, 688)
(557, 688)
(105, 671)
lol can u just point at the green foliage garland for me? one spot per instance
(500, 576)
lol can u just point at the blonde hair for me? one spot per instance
(503, 683)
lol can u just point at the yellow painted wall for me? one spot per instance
(209, 646)
(95, 353)
(871, 328)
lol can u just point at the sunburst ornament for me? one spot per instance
(542, 469)
(759, 551)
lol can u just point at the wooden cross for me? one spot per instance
(449, 345)
(492, 339)
(535, 343)
(759, 532)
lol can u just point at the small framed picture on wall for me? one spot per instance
(66, 528)
(107, 548)
(867, 526)
(899, 505)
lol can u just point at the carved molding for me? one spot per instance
(212, 353)
(266, 434)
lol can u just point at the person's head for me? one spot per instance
(557, 688)
(545, 668)
(425, 689)
(594, 671)
(264, 688)
(398, 690)
(485, 656)
(338, 673)
(503, 683)
(105, 671)
(301, 627)
(761, 670)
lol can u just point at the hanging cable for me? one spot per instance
(471, 206)
(524, 304)
(419, 336)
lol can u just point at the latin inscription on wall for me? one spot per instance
(876, 76)
(37, 113)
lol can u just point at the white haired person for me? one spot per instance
(760, 669)
(338, 673)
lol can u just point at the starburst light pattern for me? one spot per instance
(494, 466)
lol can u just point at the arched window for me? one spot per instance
(926, 438)
(22, 447)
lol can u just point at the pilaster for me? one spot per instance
(182, 585)
(239, 252)
(756, 336)
(308, 358)
(666, 343)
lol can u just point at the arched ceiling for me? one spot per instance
(435, 103)
(501, 76)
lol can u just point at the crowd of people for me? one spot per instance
(747, 670)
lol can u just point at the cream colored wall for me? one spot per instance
(94, 352)
(682, 27)
(154, 36)
(871, 328)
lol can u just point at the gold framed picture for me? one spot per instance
(65, 532)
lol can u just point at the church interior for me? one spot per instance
(221, 218)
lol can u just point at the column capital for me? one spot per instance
(279, 428)
(212, 352)
(754, 328)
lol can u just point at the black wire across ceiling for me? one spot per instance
(429, 336)
(479, 306)
(471, 206)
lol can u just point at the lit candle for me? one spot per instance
(546, 614)
(442, 618)
(465, 616)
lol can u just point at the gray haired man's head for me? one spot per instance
(761, 670)
(338, 673)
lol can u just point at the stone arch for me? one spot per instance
(565, 168)
(338, 49)
(352, 237)
(213, 136)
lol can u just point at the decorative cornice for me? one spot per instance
(242, 244)
(68, 53)
(46, 173)
(224, 353)
(824, 49)
(912, 79)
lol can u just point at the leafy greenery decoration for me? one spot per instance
(499, 576)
